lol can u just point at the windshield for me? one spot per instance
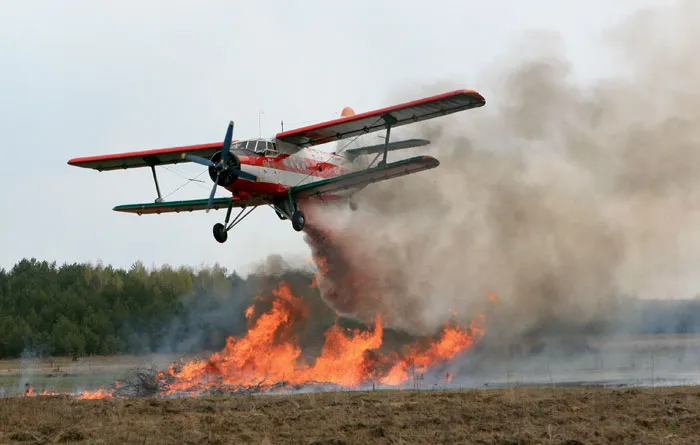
(260, 146)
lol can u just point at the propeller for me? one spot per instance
(227, 165)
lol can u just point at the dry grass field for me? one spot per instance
(61, 374)
(495, 416)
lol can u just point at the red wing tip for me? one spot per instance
(430, 159)
(74, 162)
(474, 94)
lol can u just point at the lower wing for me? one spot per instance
(364, 177)
(183, 206)
(350, 180)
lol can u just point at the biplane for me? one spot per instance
(285, 171)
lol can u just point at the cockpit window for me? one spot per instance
(259, 146)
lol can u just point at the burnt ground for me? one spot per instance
(513, 415)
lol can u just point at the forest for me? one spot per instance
(92, 309)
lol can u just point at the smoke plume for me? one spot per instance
(557, 197)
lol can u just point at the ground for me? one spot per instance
(528, 400)
(513, 415)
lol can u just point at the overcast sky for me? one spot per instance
(83, 78)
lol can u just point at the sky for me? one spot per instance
(84, 78)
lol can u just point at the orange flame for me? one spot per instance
(95, 395)
(453, 340)
(85, 395)
(321, 264)
(269, 353)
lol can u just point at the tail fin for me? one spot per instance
(347, 111)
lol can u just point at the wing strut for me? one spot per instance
(389, 120)
(155, 179)
(238, 217)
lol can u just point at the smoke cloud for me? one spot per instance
(558, 197)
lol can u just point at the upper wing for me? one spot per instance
(145, 158)
(183, 206)
(364, 177)
(370, 121)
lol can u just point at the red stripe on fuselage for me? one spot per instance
(296, 164)
(284, 162)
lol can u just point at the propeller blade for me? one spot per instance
(227, 143)
(199, 160)
(213, 192)
(246, 175)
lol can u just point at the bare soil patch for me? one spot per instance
(496, 416)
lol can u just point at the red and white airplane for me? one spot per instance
(286, 170)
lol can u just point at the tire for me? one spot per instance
(220, 233)
(298, 221)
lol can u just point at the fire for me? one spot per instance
(419, 358)
(322, 269)
(85, 395)
(95, 395)
(270, 353)
(343, 359)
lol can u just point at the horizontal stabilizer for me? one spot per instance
(364, 177)
(379, 148)
(174, 206)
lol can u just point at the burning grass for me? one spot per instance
(270, 356)
(270, 353)
(496, 416)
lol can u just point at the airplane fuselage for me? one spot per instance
(277, 172)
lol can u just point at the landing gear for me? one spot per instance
(220, 233)
(221, 230)
(353, 205)
(298, 220)
(289, 209)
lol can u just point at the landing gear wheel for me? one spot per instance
(353, 205)
(220, 233)
(298, 221)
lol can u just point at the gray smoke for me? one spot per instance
(557, 197)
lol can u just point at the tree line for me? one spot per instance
(85, 309)
(93, 309)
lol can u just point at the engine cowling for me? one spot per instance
(229, 172)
